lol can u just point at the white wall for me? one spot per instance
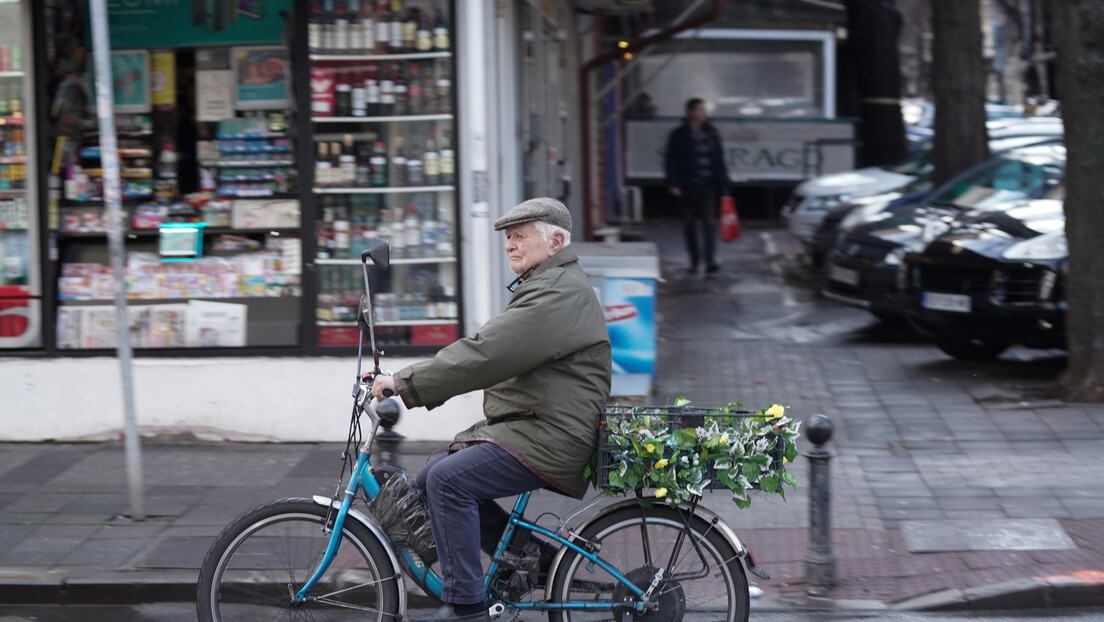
(283, 399)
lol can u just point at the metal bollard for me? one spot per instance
(820, 562)
(389, 440)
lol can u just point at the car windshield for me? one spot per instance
(917, 163)
(999, 180)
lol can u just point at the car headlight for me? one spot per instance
(896, 256)
(825, 203)
(933, 229)
(1047, 247)
(872, 212)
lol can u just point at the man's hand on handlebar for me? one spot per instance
(384, 387)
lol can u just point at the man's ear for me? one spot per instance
(557, 241)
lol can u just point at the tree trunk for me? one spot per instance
(1079, 37)
(873, 27)
(958, 81)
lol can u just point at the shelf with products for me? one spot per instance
(385, 119)
(143, 171)
(382, 161)
(353, 56)
(377, 27)
(368, 89)
(433, 322)
(253, 157)
(268, 268)
(384, 190)
(396, 261)
(139, 233)
(218, 214)
(382, 120)
(420, 295)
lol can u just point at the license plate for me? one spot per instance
(843, 275)
(946, 302)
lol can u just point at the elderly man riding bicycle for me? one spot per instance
(544, 367)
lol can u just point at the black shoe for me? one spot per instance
(711, 268)
(448, 614)
(693, 269)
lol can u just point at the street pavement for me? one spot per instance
(954, 485)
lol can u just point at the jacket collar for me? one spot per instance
(562, 257)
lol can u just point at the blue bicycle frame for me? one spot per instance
(363, 479)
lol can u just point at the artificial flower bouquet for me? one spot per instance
(678, 452)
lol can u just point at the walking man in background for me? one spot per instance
(697, 177)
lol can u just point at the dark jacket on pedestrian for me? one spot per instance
(544, 365)
(681, 163)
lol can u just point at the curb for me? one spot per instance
(1074, 590)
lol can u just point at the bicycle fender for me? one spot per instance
(704, 513)
(371, 525)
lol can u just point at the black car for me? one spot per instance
(862, 267)
(994, 279)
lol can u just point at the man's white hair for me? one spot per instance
(547, 230)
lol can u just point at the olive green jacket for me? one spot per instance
(544, 367)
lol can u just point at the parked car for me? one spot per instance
(819, 205)
(862, 267)
(992, 280)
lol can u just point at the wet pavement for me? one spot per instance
(954, 485)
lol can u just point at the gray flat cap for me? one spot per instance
(543, 208)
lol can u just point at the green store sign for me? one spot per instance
(195, 23)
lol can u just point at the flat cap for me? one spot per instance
(544, 208)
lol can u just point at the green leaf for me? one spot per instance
(750, 470)
(615, 479)
(687, 437)
(681, 401)
(791, 452)
(768, 483)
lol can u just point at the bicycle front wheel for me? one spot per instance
(260, 561)
(703, 578)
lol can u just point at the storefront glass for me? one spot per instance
(383, 126)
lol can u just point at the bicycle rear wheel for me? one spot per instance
(264, 556)
(703, 583)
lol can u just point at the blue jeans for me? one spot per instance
(461, 489)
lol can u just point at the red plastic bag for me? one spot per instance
(730, 220)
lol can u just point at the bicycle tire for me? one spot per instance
(263, 556)
(720, 595)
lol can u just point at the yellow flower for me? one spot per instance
(662, 492)
(775, 411)
(650, 447)
(662, 463)
(724, 438)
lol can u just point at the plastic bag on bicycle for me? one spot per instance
(402, 511)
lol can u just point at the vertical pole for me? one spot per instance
(109, 159)
(820, 562)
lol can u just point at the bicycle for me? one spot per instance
(323, 558)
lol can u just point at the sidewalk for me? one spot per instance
(953, 486)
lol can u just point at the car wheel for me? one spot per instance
(972, 349)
